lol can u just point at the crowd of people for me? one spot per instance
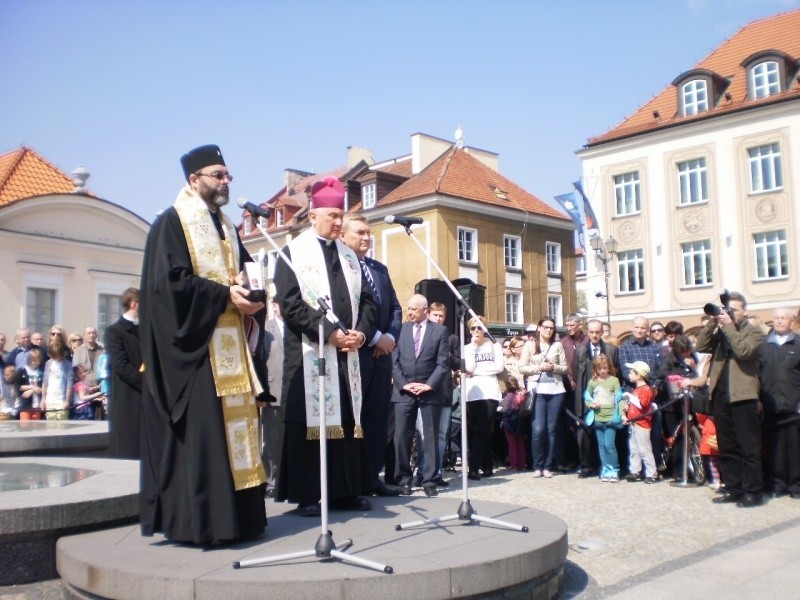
(225, 407)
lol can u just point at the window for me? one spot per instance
(272, 259)
(279, 217)
(467, 245)
(626, 191)
(552, 252)
(693, 181)
(40, 308)
(580, 265)
(765, 79)
(248, 226)
(772, 255)
(554, 308)
(766, 171)
(697, 263)
(514, 307)
(695, 97)
(262, 222)
(109, 310)
(371, 251)
(631, 271)
(512, 248)
(368, 195)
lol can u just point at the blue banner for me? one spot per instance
(591, 218)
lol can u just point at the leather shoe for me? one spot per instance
(585, 473)
(430, 491)
(726, 499)
(352, 503)
(308, 510)
(474, 475)
(794, 495)
(750, 500)
(405, 490)
(441, 482)
(386, 490)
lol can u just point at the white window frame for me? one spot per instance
(766, 168)
(33, 323)
(765, 79)
(272, 260)
(262, 221)
(552, 252)
(692, 181)
(555, 308)
(112, 307)
(697, 260)
(630, 269)
(512, 251)
(371, 251)
(279, 220)
(771, 253)
(368, 195)
(695, 96)
(580, 265)
(514, 307)
(248, 226)
(467, 242)
(627, 193)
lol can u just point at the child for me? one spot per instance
(57, 384)
(8, 393)
(29, 381)
(709, 450)
(603, 396)
(641, 418)
(83, 407)
(512, 423)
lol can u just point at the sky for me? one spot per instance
(125, 88)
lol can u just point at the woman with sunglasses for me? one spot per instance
(547, 365)
(483, 361)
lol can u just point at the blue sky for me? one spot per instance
(124, 88)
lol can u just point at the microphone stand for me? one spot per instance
(325, 548)
(465, 510)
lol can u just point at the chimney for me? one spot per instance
(356, 154)
(292, 176)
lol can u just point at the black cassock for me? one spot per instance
(348, 464)
(186, 482)
(125, 399)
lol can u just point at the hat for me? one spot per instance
(327, 193)
(200, 157)
(531, 328)
(640, 367)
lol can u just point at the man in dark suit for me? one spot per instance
(125, 403)
(375, 357)
(582, 371)
(420, 367)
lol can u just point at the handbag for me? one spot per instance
(701, 401)
(526, 408)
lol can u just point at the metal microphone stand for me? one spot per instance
(324, 549)
(465, 511)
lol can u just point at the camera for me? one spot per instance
(715, 310)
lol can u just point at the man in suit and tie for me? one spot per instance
(272, 413)
(420, 367)
(375, 357)
(582, 371)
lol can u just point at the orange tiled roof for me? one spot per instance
(24, 173)
(402, 167)
(297, 195)
(781, 33)
(458, 174)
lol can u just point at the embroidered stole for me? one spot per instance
(309, 261)
(231, 362)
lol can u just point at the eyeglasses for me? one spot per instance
(546, 327)
(218, 175)
(656, 329)
(476, 328)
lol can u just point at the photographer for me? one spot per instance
(734, 344)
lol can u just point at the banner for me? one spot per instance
(591, 219)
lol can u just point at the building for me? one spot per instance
(698, 185)
(67, 255)
(477, 225)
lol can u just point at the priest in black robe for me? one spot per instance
(202, 480)
(327, 267)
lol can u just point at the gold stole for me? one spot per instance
(309, 262)
(231, 362)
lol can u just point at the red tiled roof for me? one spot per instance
(24, 173)
(458, 174)
(402, 167)
(781, 33)
(297, 195)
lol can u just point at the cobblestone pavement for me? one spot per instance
(620, 534)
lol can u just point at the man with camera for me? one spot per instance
(734, 344)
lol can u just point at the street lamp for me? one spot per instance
(605, 251)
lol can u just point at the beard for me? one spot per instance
(220, 199)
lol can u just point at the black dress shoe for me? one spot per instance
(386, 490)
(585, 473)
(441, 482)
(794, 495)
(308, 510)
(430, 491)
(727, 499)
(353, 503)
(750, 500)
(405, 490)
(474, 475)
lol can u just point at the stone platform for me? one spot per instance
(43, 498)
(447, 560)
(47, 438)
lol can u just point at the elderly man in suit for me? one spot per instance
(420, 367)
(582, 372)
(375, 357)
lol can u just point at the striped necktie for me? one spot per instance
(370, 280)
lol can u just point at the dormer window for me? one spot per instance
(279, 217)
(248, 225)
(368, 195)
(695, 97)
(765, 79)
(769, 72)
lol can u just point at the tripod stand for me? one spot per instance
(465, 511)
(325, 548)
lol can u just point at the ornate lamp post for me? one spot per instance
(605, 251)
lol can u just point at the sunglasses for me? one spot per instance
(656, 329)
(476, 328)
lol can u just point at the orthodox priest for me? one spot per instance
(202, 480)
(327, 268)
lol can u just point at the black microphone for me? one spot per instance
(253, 209)
(404, 221)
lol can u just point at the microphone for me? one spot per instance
(253, 209)
(404, 221)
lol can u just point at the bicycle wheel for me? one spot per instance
(697, 472)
